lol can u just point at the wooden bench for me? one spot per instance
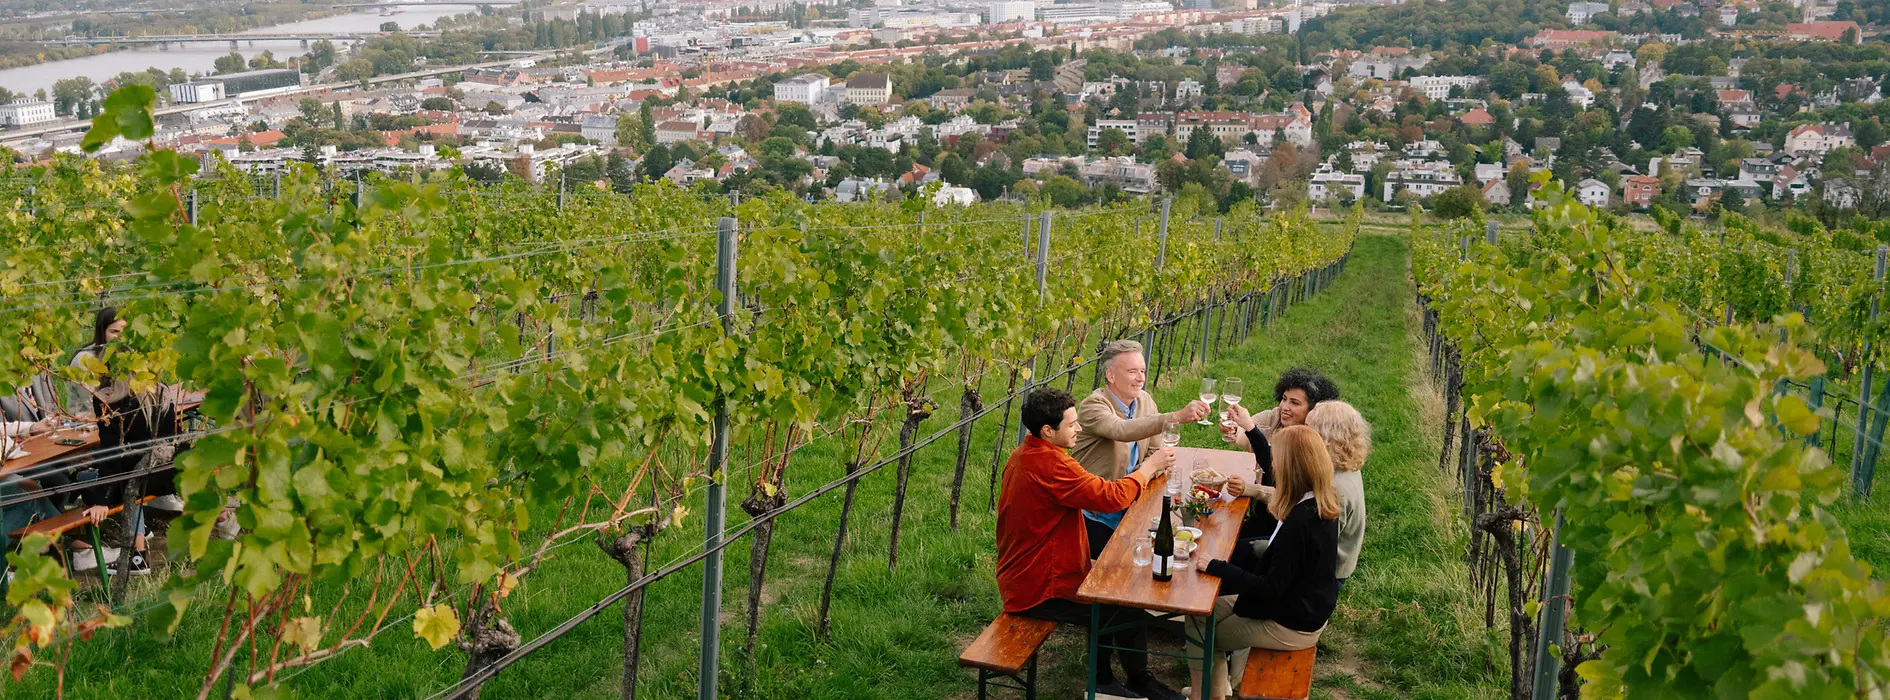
(1008, 648)
(68, 521)
(1278, 675)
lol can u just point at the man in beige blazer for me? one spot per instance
(1121, 429)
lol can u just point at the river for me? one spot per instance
(199, 58)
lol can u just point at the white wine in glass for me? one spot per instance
(1207, 395)
(1230, 391)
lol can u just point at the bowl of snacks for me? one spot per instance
(1208, 483)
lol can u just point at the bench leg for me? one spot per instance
(1207, 664)
(98, 552)
(1030, 679)
(1095, 623)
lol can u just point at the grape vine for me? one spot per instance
(417, 375)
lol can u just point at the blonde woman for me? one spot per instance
(1348, 440)
(1284, 602)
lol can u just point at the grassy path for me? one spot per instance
(1405, 627)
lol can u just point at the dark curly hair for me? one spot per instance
(1317, 387)
(1045, 406)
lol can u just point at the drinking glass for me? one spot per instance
(1207, 395)
(1230, 391)
(1144, 552)
(1171, 433)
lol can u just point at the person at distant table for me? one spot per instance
(1043, 546)
(1121, 428)
(1285, 599)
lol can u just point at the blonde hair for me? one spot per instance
(1348, 437)
(1301, 465)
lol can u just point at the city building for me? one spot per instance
(22, 112)
(1010, 10)
(869, 89)
(196, 91)
(806, 88)
(257, 82)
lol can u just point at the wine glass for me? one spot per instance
(1171, 433)
(1230, 391)
(1207, 395)
(1143, 553)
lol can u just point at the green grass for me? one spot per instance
(1406, 627)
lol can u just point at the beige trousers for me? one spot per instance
(1234, 635)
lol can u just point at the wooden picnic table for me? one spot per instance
(44, 448)
(1115, 579)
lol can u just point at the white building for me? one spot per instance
(1421, 181)
(1818, 138)
(23, 111)
(1593, 193)
(1581, 12)
(1438, 87)
(1188, 89)
(1128, 127)
(1579, 95)
(1010, 10)
(1329, 183)
(806, 89)
(193, 92)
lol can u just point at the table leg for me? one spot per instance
(98, 551)
(1095, 623)
(1207, 664)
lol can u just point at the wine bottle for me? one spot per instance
(1164, 544)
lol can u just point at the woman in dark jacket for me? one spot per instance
(1284, 601)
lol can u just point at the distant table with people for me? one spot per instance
(1270, 560)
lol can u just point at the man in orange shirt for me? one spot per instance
(1043, 549)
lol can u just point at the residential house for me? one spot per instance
(1840, 193)
(1789, 182)
(1743, 115)
(1485, 172)
(1123, 171)
(1592, 192)
(1639, 191)
(1478, 118)
(1496, 193)
(1243, 164)
(1819, 138)
(856, 189)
